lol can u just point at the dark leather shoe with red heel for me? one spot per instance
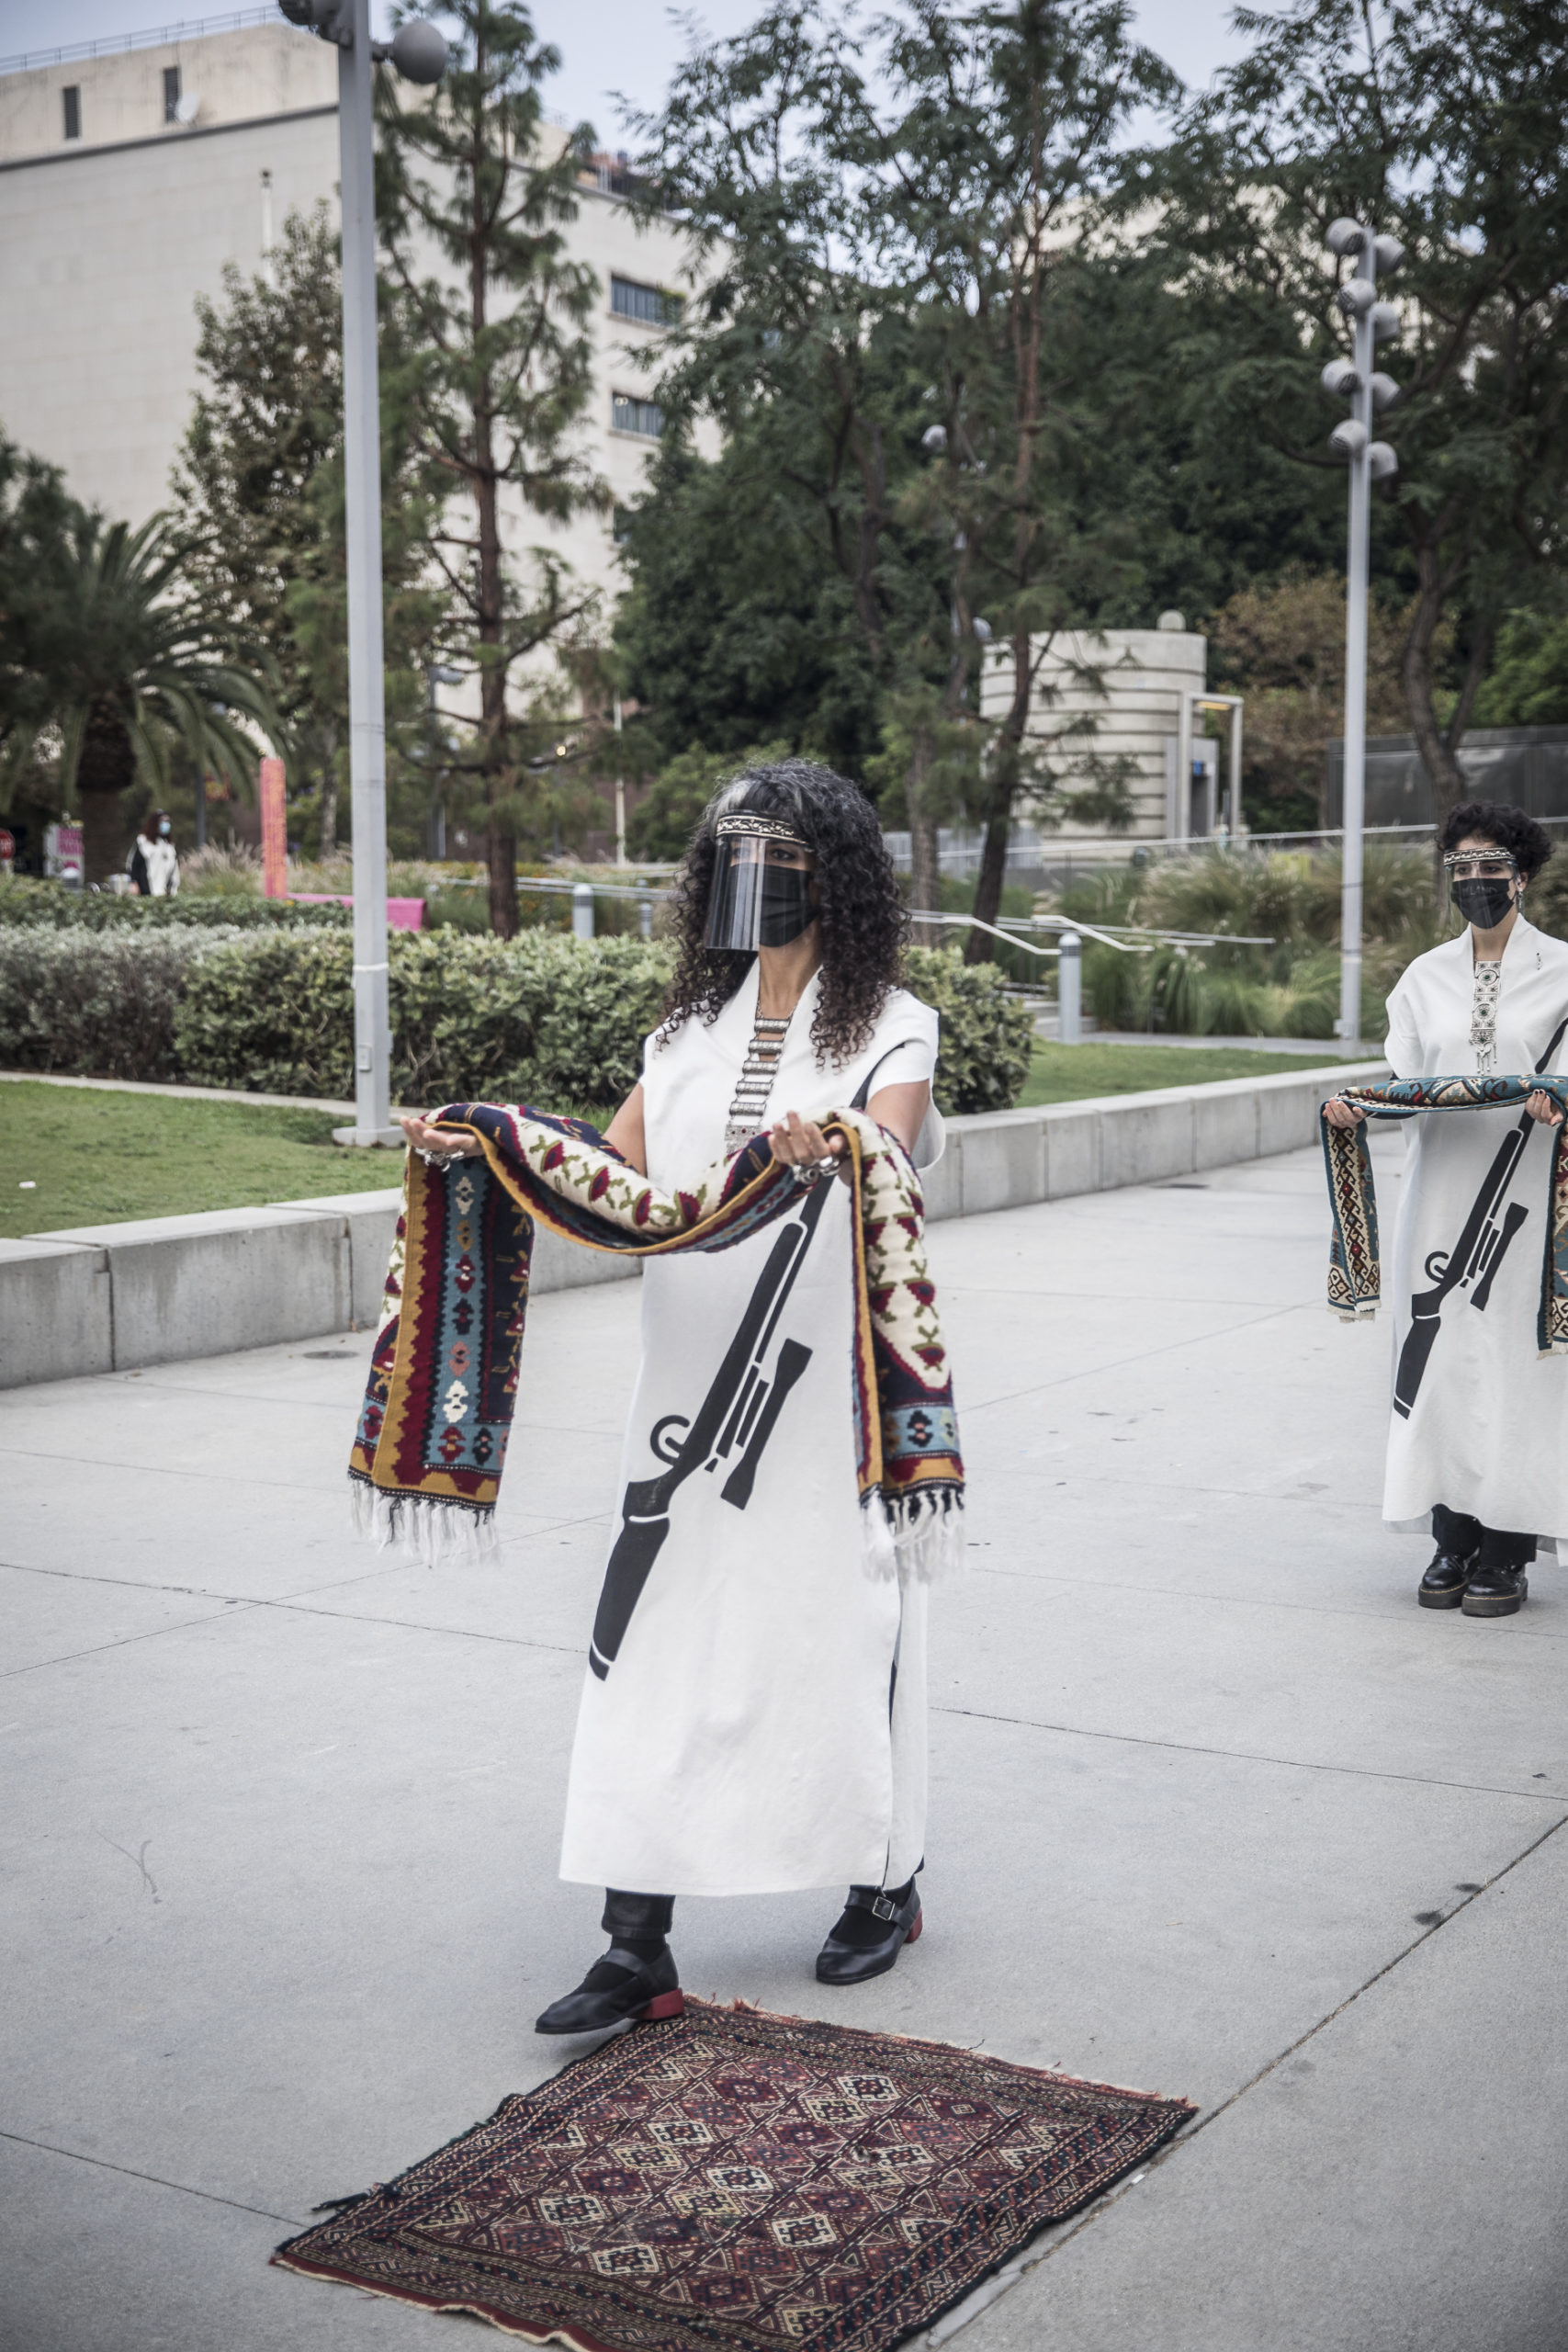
(620, 1989)
(870, 1933)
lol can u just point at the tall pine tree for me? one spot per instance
(472, 173)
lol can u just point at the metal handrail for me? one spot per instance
(1143, 931)
(1010, 939)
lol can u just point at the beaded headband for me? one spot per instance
(1499, 858)
(767, 828)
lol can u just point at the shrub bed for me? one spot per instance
(544, 1017)
(982, 1058)
(100, 1003)
(26, 904)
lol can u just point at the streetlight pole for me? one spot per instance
(1373, 322)
(419, 52)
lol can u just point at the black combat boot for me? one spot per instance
(1496, 1589)
(1443, 1585)
(635, 1981)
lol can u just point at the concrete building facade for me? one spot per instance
(1148, 713)
(130, 177)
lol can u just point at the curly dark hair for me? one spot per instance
(1528, 844)
(862, 918)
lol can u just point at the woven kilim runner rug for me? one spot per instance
(731, 2181)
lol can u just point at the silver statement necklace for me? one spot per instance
(747, 1112)
(1485, 992)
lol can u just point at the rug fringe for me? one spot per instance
(919, 1538)
(435, 1532)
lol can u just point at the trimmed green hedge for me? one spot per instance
(987, 1035)
(29, 905)
(100, 1005)
(545, 1017)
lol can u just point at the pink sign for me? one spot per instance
(402, 914)
(275, 831)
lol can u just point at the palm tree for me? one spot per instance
(143, 672)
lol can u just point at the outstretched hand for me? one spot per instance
(1542, 1107)
(1343, 1114)
(800, 1143)
(447, 1143)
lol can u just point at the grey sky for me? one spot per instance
(606, 45)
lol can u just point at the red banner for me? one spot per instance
(275, 831)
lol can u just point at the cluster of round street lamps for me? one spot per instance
(1368, 391)
(417, 49)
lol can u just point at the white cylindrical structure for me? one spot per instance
(1349, 1024)
(366, 699)
(1069, 991)
(582, 909)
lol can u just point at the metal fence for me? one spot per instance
(1527, 765)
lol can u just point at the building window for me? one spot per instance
(629, 415)
(171, 94)
(72, 93)
(645, 303)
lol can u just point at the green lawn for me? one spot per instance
(94, 1159)
(88, 1157)
(1067, 1073)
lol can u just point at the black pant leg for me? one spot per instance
(1455, 1532)
(636, 1917)
(1505, 1547)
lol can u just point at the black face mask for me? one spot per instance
(1484, 899)
(786, 905)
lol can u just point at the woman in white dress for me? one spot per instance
(1478, 1438)
(753, 1716)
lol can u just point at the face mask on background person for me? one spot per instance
(165, 829)
(1484, 898)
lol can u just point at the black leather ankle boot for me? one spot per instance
(870, 1933)
(1495, 1591)
(1443, 1585)
(635, 1981)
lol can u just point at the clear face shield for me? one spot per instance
(761, 894)
(1482, 883)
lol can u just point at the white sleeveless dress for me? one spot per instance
(750, 1735)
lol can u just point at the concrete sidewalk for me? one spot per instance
(1216, 1810)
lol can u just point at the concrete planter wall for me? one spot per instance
(111, 1298)
(1004, 1159)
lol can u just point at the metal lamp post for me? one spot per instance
(1355, 380)
(419, 52)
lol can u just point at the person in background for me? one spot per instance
(1478, 1440)
(153, 864)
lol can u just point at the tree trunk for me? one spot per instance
(1439, 746)
(103, 836)
(329, 800)
(980, 947)
(106, 766)
(925, 864)
(501, 861)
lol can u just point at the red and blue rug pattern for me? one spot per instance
(732, 2181)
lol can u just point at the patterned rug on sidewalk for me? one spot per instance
(732, 2181)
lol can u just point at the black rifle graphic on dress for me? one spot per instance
(1482, 1246)
(740, 1409)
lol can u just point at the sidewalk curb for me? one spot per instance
(113, 1297)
